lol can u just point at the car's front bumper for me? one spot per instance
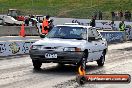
(62, 57)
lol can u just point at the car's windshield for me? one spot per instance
(67, 32)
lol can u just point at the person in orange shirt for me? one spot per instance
(45, 25)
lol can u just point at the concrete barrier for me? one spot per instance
(114, 36)
(16, 38)
(14, 31)
(15, 45)
(14, 48)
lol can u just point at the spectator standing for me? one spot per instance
(51, 25)
(113, 15)
(129, 16)
(45, 25)
(112, 24)
(27, 21)
(30, 22)
(122, 26)
(121, 15)
(100, 15)
(126, 15)
(95, 15)
(117, 15)
(92, 22)
(31, 16)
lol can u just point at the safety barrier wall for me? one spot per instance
(14, 30)
(114, 37)
(15, 47)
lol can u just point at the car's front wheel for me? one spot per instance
(36, 64)
(83, 61)
(101, 61)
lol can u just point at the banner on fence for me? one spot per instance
(14, 48)
(113, 36)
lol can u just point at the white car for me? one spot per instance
(69, 44)
(8, 20)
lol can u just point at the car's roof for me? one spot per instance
(74, 25)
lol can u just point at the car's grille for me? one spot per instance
(52, 48)
(49, 47)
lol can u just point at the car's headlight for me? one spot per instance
(72, 49)
(36, 47)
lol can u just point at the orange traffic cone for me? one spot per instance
(22, 31)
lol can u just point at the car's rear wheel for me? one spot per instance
(36, 64)
(101, 61)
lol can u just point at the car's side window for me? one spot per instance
(90, 33)
(91, 36)
(96, 34)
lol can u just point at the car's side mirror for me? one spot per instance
(99, 38)
(91, 38)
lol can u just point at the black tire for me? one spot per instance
(36, 64)
(101, 61)
(81, 80)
